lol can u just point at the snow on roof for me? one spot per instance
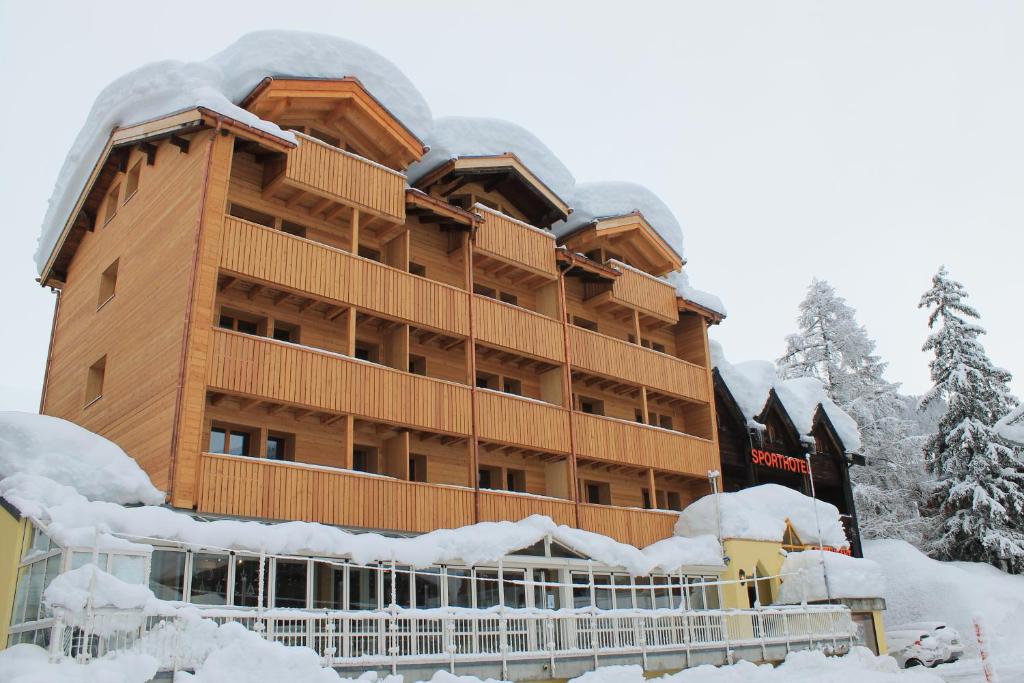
(43, 446)
(848, 577)
(681, 281)
(750, 383)
(609, 199)
(218, 83)
(760, 514)
(467, 136)
(1011, 426)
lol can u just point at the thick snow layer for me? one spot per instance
(69, 515)
(30, 664)
(919, 588)
(748, 382)
(848, 577)
(219, 84)
(608, 199)
(71, 591)
(681, 281)
(466, 136)
(760, 513)
(66, 453)
(1011, 427)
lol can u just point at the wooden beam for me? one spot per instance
(294, 199)
(149, 149)
(226, 283)
(280, 298)
(254, 292)
(181, 143)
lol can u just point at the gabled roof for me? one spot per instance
(631, 235)
(775, 404)
(337, 103)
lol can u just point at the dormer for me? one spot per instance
(501, 182)
(340, 112)
(628, 238)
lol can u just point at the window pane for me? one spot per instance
(34, 596)
(695, 593)
(362, 588)
(290, 583)
(40, 541)
(238, 443)
(400, 592)
(623, 592)
(248, 327)
(167, 575)
(20, 595)
(217, 439)
(602, 591)
(275, 448)
(546, 597)
(514, 588)
(580, 590)
(80, 559)
(643, 593)
(428, 588)
(486, 588)
(328, 586)
(662, 594)
(460, 588)
(247, 582)
(711, 599)
(128, 568)
(209, 579)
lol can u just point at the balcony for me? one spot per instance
(250, 487)
(516, 329)
(305, 266)
(505, 244)
(628, 525)
(618, 359)
(522, 422)
(304, 377)
(496, 506)
(652, 298)
(332, 175)
(628, 443)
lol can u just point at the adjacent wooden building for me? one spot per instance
(288, 330)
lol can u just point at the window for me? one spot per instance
(364, 459)
(108, 283)
(597, 493)
(230, 441)
(417, 468)
(663, 593)
(209, 579)
(660, 348)
(512, 386)
(460, 588)
(509, 298)
(546, 595)
(417, 269)
(623, 591)
(131, 183)
(485, 380)
(638, 415)
(367, 252)
(427, 588)
(418, 365)
(580, 590)
(362, 588)
(251, 215)
(328, 586)
(484, 290)
(487, 588)
(295, 229)
(675, 501)
(111, 209)
(240, 322)
(286, 332)
(332, 140)
(515, 480)
(399, 593)
(665, 421)
(367, 351)
(128, 568)
(247, 582)
(591, 406)
(488, 477)
(94, 381)
(646, 495)
(584, 323)
(279, 447)
(290, 583)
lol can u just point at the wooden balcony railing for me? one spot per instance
(347, 178)
(605, 438)
(645, 292)
(517, 329)
(636, 527)
(507, 239)
(298, 375)
(496, 506)
(618, 359)
(250, 487)
(265, 254)
(522, 422)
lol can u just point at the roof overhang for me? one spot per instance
(506, 174)
(711, 316)
(433, 210)
(631, 235)
(326, 102)
(578, 265)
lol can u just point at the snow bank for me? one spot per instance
(760, 513)
(919, 588)
(848, 577)
(66, 453)
(30, 664)
(466, 136)
(218, 83)
(1011, 427)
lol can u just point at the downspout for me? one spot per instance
(49, 354)
(567, 382)
(474, 448)
(817, 522)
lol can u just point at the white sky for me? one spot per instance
(864, 143)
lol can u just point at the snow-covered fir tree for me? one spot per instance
(834, 348)
(978, 499)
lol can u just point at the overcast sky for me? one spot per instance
(864, 143)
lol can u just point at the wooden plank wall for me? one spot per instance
(507, 239)
(637, 527)
(646, 293)
(517, 329)
(522, 422)
(495, 506)
(603, 438)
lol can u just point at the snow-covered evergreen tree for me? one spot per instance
(978, 498)
(834, 348)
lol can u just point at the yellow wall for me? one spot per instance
(12, 540)
(883, 644)
(746, 555)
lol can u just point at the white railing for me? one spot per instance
(395, 637)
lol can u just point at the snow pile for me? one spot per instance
(218, 84)
(1011, 426)
(466, 136)
(919, 588)
(848, 577)
(71, 591)
(760, 513)
(30, 664)
(49, 447)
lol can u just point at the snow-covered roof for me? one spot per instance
(752, 382)
(760, 513)
(1011, 426)
(681, 281)
(848, 577)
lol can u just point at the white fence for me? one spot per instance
(392, 638)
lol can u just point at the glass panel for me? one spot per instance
(238, 443)
(34, 596)
(362, 588)
(623, 591)
(19, 596)
(53, 564)
(695, 592)
(603, 591)
(40, 541)
(129, 568)
(546, 597)
(217, 440)
(328, 586)
(711, 596)
(80, 559)
(460, 588)
(644, 599)
(662, 593)
(402, 586)
(290, 583)
(209, 579)
(580, 590)
(486, 588)
(167, 575)
(514, 588)
(247, 582)
(428, 588)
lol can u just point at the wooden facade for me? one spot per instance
(284, 316)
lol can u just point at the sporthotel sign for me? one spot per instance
(778, 461)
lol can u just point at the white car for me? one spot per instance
(942, 632)
(916, 647)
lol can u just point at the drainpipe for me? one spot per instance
(817, 522)
(567, 382)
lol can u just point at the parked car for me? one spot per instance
(940, 631)
(916, 647)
